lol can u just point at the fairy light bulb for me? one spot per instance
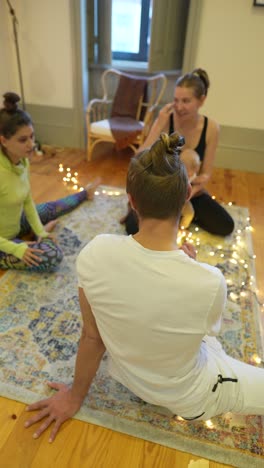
(232, 260)
(233, 296)
(256, 359)
(209, 424)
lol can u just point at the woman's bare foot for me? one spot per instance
(50, 225)
(91, 187)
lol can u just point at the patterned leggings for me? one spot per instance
(52, 254)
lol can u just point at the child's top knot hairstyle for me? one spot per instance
(198, 80)
(157, 179)
(11, 117)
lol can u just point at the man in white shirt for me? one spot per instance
(154, 309)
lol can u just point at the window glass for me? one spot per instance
(131, 21)
(126, 16)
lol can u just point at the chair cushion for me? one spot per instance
(102, 128)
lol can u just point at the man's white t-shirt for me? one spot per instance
(153, 310)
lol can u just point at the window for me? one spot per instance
(122, 30)
(131, 23)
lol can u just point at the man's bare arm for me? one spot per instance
(67, 401)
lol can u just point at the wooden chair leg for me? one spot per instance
(89, 149)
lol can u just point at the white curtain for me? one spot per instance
(99, 31)
(169, 22)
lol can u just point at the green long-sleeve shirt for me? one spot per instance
(15, 196)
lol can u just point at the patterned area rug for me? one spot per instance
(40, 327)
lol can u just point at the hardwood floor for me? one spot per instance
(85, 445)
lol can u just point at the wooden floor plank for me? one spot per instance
(10, 412)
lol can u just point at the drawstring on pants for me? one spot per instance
(222, 379)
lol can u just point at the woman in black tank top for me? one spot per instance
(190, 93)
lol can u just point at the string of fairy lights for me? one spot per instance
(70, 180)
(237, 256)
(234, 255)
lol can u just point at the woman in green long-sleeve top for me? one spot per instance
(18, 213)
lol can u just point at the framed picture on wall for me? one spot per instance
(258, 3)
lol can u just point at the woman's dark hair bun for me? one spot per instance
(11, 101)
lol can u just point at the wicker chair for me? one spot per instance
(99, 117)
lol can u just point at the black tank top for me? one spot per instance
(200, 148)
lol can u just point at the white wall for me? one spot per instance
(46, 51)
(7, 74)
(230, 48)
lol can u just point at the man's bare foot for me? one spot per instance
(91, 187)
(50, 225)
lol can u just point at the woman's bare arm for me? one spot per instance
(161, 124)
(209, 158)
